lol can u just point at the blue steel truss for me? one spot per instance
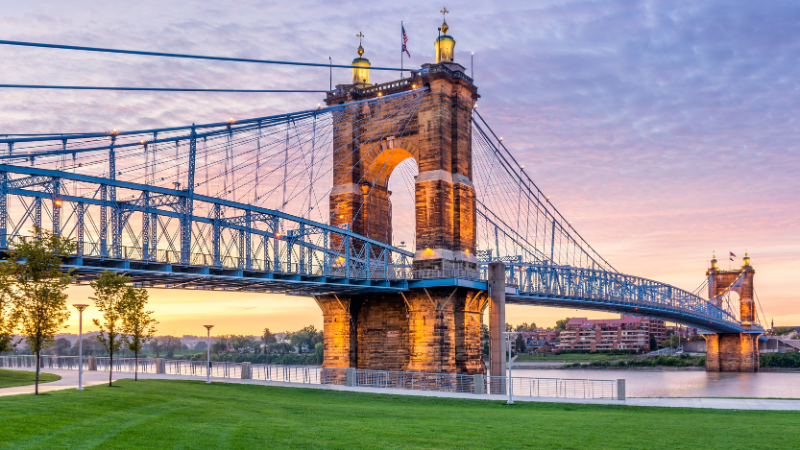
(166, 236)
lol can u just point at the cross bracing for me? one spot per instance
(244, 205)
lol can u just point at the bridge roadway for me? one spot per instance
(562, 287)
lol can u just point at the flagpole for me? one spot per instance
(402, 44)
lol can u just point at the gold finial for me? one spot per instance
(360, 50)
(444, 11)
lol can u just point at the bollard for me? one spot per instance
(92, 363)
(477, 382)
(621, 389)
(246, 374)
(351, 376)
(160, 366)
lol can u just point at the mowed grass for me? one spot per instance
(571, 357)
(13, 378)
(189, 414)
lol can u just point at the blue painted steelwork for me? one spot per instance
(223, 243)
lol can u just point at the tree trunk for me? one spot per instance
(110, 362)
(136, 366)
(38, 357)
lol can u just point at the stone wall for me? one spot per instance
(435, 330)
(732, 352)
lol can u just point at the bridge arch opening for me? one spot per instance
(403, 202)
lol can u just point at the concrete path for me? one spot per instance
(69, 380)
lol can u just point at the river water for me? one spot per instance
(640, 383)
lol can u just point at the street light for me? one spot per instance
(510, 385)
(208, 354)
(80, 308)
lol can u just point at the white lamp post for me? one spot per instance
(80, 308)
(510, 384)
(208, 353)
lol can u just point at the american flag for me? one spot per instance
(405, 40)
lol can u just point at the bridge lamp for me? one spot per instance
(342, 216)
(413, 86)
(58, 203)
(114, 131)
(380, 94)
(501, 138)
(230, 120)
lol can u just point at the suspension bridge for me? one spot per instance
(304, 203)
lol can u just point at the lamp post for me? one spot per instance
(208, 353)
(80, 308)
(510, 385)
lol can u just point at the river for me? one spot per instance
(640, 383)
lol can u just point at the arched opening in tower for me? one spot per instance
(403, 204)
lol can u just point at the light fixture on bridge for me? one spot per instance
(522, 167)
(380, 94)
(114, 131)
(341, 216)
(319, 105)
(413, 86)
(57, 203)
(501, 138)
(142, 141)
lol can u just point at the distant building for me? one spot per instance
(624, 333)
(536, 339)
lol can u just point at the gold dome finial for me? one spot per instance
(444, 11)
(360, 50)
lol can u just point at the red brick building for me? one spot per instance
(624, 333)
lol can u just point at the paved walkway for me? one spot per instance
(69, 380)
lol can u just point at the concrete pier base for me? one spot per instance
(732, 352)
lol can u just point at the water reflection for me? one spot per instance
(687, 383)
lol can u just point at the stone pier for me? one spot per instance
(732, 352)
(433, 330)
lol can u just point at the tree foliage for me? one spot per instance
(525, 327)
(520, 343)
(37, 286)
(561, 324)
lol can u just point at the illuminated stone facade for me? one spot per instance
(733, 352)
(435, 330)
(422, 330)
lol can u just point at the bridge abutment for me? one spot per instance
(431, 330)
(732, 352)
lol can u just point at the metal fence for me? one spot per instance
(438, 382)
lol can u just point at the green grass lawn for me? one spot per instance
(571, 357)
(189, 414)
(12, 378)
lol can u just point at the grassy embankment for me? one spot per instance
(13, 378)
(190, 414)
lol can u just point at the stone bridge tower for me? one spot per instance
(434, 328)
(733, 352)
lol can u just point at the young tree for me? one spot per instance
(169, 344)
(109, 290)
(137, 324)
(7, 320)
(156, 346)
(268, 338)
(39, 288)
(520, 342)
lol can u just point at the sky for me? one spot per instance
(664, 130)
